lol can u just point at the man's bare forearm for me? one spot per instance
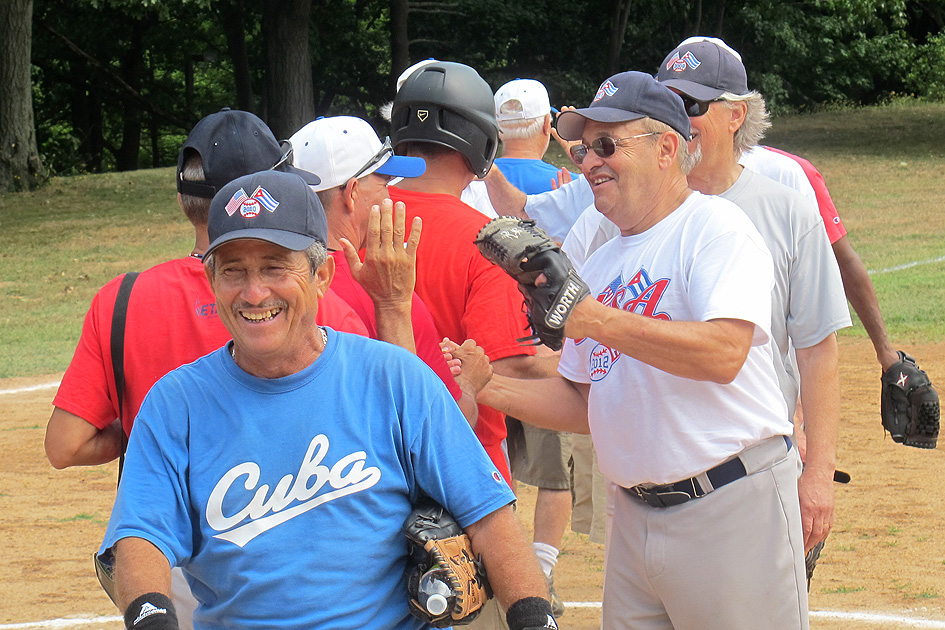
(714, 350)
(506, 198)
(551, 403)
(513, 569)
(395, 326)
(73, 441)
(862, 296)
(818, 367)
(820, 399)
(140, 568)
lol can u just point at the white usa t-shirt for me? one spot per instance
(704, 261)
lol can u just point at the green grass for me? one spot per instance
(843, 589)
(885, 167)
(908, 592)
(62, 243)
(92, 518)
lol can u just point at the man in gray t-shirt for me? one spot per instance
(808, 302)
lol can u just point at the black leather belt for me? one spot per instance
(672, 494)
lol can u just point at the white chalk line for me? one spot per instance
(59, 623)
(823, 614)
(31, 388)
(875, 272)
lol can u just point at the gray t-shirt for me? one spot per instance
(808, 302)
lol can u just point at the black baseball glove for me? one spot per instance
(909, 404)
(526, 252)
(436, 543)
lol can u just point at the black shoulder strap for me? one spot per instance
(119, 315)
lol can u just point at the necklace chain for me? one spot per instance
(320, 329)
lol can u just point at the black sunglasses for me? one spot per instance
(604, 147)
(383, 152)
(287, 155)
(695, 108)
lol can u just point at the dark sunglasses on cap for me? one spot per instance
(695, 108)
(604, 147)
(287, 154)
(383, 152)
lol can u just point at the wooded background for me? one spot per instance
(99, 85)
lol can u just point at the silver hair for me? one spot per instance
(196, 209)
(684, 158)
(316, 254)
(521, 128)
(757, 120)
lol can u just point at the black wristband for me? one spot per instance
(530, 613)
(151, 611)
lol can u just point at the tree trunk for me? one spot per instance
(231, 19)
(290, 94)
(399, 42)
(132, 72)
(618, 28)
(20, 166)
(719, 17)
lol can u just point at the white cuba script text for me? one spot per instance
(266, 509)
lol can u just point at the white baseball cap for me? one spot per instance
(341, 147)
(406, 73)
(521, 99)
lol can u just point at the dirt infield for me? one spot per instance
(886, 555)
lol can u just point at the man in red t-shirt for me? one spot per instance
(445, 113)
(355, 168)
(171, 317)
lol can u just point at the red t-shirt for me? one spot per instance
(469, 297)
(172, 320)
(425, 334)
(828, 211)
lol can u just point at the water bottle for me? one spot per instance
(435, 594)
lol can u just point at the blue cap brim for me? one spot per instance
(570, 124)
(694, 90)
(402, 166)
(309, 178)
(290, 240)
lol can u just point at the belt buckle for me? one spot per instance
(672, 497)
(658, 498)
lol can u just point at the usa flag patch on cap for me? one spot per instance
(235, 201)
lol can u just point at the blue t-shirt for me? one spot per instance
(284, 500)
(529, 176)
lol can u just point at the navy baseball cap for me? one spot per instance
(704, 68)
(270, 206)
(232, 143)
(624, 97)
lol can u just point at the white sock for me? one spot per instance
(547, 556)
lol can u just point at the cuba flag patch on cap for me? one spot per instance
(266, 199)
(607, 89)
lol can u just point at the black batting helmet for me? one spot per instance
(448, 104)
